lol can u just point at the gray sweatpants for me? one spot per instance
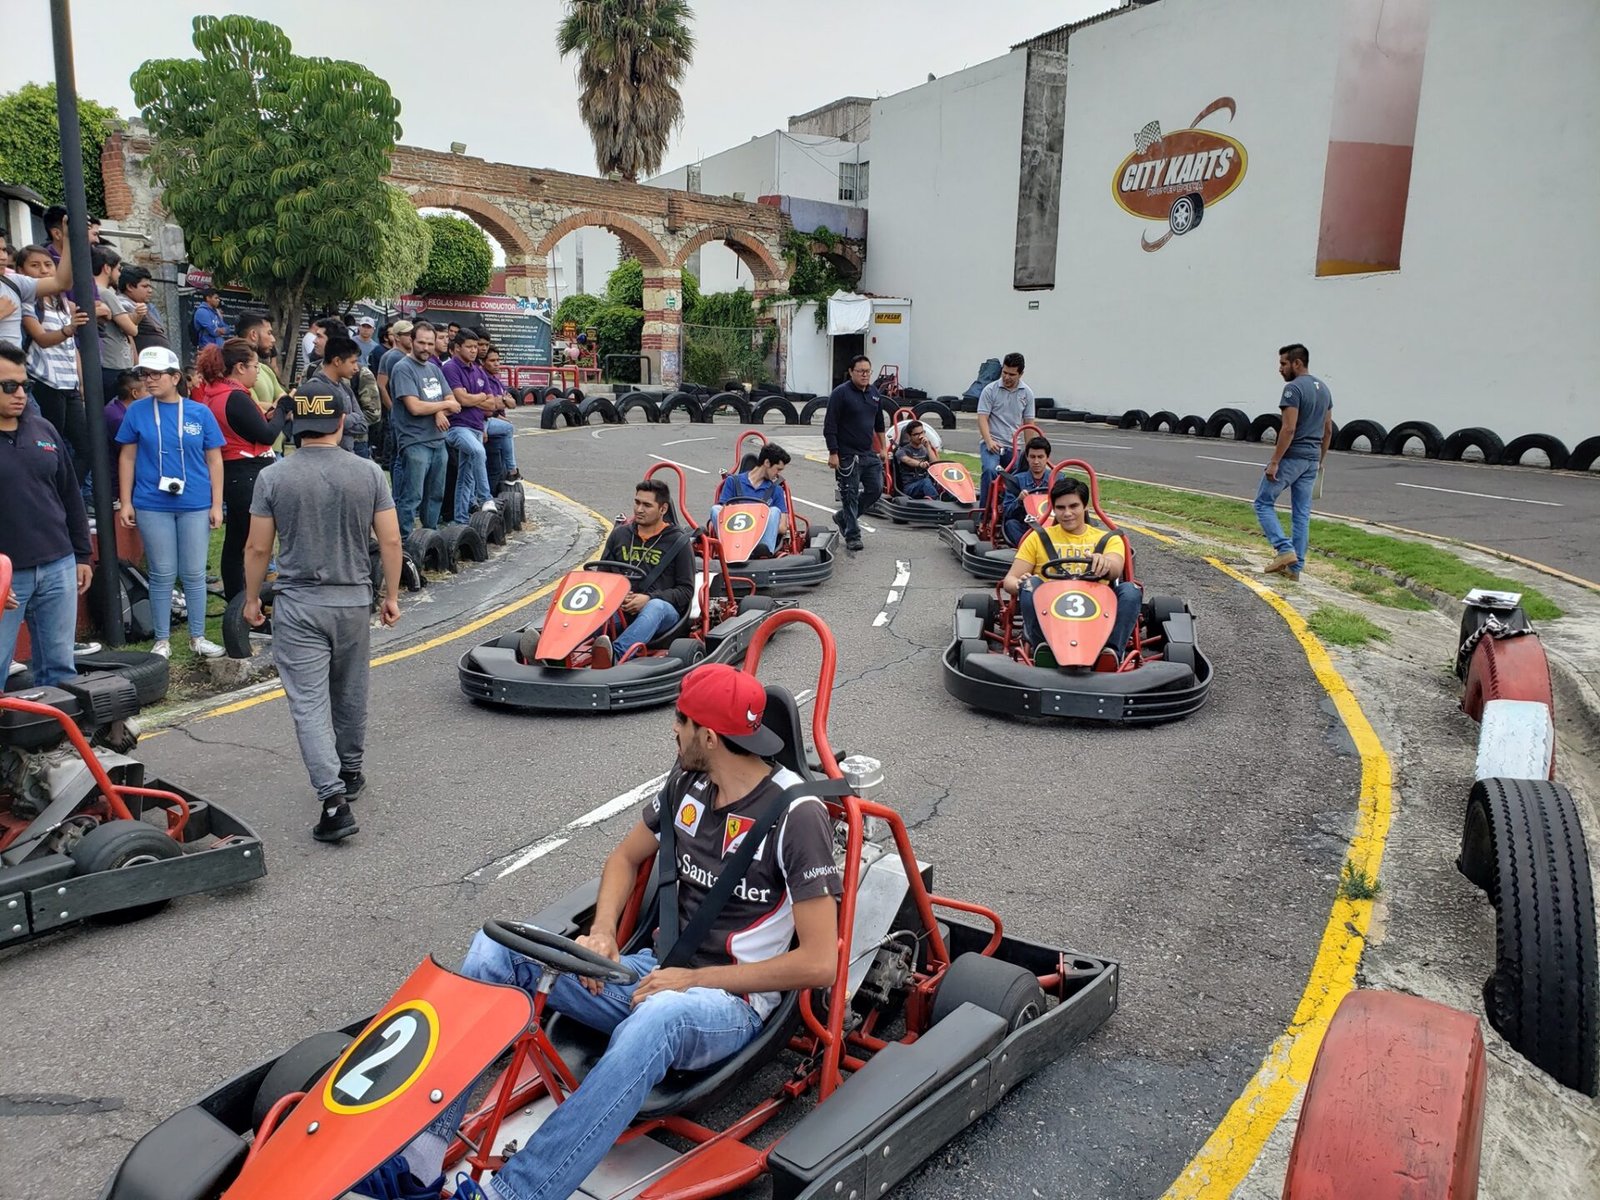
(322, 653)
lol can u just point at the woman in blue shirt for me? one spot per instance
(170, 475)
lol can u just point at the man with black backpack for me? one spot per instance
(747, 911)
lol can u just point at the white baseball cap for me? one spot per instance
(158, 358)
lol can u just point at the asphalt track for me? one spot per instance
(1203, 856)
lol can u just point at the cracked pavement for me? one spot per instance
(1195, 854)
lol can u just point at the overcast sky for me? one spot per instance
(487, 74)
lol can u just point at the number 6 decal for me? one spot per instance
(385, 1060)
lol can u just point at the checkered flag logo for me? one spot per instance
(1147, 137)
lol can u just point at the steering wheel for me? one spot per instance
(557, 953)
(635, 573)
(1069, 566)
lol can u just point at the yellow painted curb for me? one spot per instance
(1233, 1147)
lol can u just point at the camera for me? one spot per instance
(171, 485)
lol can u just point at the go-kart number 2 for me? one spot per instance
(1075, 606)
(581, 599)
(385, 1061)
(739, 522)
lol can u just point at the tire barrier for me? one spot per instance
(1430, 437)
(775, 404)
(1192, 426)
(1231, 419)
(1134, 418)
(427, 550)
(1522, 844)
(464, 544)
(1370, 432)
(641, 402)
(1394, 1105)
(1584, 455)
(1161, 421)
(1516, 740)
(602, 405)
(559, 410)
(572, 393)
(937, 408)
(1264, 424)
(411, 576)
(1508, 666)
(813, 407)
(513, 505)
(490, 526)
(683, 401)
(1485, 441)
(1553, 449)
(728, 402)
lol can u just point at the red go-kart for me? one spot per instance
(957, 489)
(805, 554)
(549, 665)
(1162, 675)
(929, 1023)
(980, 543)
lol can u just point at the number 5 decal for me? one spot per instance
(385, 1060)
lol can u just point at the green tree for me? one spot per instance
(625, 285)
(579, 309)
(272, 163)
(30, 143)
(398, 260)
(632, 54)
(461, 262)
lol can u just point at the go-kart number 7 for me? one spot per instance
(386, 1061)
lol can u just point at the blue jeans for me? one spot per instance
(649, 623)
(688, 1030)
(769, 535)
(472, 470)
(420, 484)
(918, 487)
(363, 449)
(860, 479)
(1129, 598)
(47, 598)
(1297, 474)
(502, 437)
(993, 464)
(175, 547)
(1016, 525)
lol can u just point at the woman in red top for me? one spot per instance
(248, 433)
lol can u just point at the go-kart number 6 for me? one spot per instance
(385, 1061)
(581, 599)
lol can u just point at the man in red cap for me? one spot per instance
(676, 1017)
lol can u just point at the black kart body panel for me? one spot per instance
(977, 557)
(923, 514)
(807, 568)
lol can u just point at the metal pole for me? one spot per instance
(107, 604)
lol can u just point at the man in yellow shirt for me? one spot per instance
(1072, 534)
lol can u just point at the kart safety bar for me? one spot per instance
(683, 490)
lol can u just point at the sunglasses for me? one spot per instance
(12, 386)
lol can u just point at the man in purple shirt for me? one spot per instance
(470, 387)
(499, 430)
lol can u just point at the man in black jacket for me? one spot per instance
(853, 430)
(658, 601)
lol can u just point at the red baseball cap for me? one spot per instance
(730, 703)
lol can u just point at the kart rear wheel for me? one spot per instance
(526, 645)
(116, 844)
(1011, 992)
(970, 647)
(982, 603)
(688, 650)
(296, 1070)
(1158, 608)
(756, 604)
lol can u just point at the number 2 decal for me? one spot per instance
(384, 1061)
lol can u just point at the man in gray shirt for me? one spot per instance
(1004, 406)
(323, 505)
(1307, 409)
(420, 414)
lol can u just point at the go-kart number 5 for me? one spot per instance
(581, 599)
(739, 522)
(385, 1061)
(1075, 606)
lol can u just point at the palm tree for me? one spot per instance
(632, 54)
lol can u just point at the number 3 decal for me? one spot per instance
(384, 1061)
(1074, 606)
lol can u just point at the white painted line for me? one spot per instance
(534, 852)
(902, 576)
(1243, 462)
(1094, 445)
(1481, 495)
(675, 463)
(686, 441)
(830, 511)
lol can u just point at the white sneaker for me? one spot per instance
(82, 648)
(16, 668)
(206, 648)
(490, 506)
(163, 648)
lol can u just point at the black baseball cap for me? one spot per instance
(317, 411)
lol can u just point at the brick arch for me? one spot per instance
(636, 240)
(751, 252)
(500, 225)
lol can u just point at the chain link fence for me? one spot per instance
(714, 354)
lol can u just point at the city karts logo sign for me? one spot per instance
(1177, 177)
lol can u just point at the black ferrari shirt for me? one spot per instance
(43, 517)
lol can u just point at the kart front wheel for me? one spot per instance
(296, 1070)
(1011, 992)
(113, 845)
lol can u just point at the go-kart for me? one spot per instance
(1163, 675)
(980, 543)
(549, 664)
(84, 833)
(929, 1023)
(805, 555)
(958, 491)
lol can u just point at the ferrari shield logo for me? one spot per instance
(733, 833)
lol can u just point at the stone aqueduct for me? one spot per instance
(528, 211)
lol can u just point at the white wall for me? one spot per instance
(1490, 321)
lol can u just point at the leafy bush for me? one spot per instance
(618, 328)
(30, 144)
(625, 285)
(460, 263)
(579, 309)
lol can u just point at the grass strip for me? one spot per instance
(1343, 627)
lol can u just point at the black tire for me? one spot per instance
(937, 408)
(1553, 448)
(1584, 455)
(574, 394)
(969, 648)
(296, 1070)
(688, 650)
(775, 404)
(1430, 437)
(757, 604)
(411, 576)
(1486, 441)
(813, 406)
(1158, 608)
(236, 630)
(463, 543)
(1473, 619)
(1185, 653)
(150, 674)
(642, 402)
(1522, 842)
(684, 402)
(1186, 214)
(1005, 989)
(602, 406)
(560, 410)
(728, 402)
(1192, 426)
(1232, 419)
(1264, 424)
(1134, 418)
(1161, 421)
(982, 603)
(112, 845)
(1371, 432)
(491, 527)
(513, 513)
(426, 547)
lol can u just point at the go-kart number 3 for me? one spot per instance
(385, 1061)
(1074, 606)
(581, 599)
